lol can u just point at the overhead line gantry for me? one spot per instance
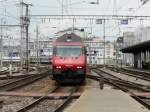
(104, 17)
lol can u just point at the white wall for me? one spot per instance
(142, 34)
(97, 44)
(128, 39)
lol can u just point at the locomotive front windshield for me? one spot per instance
(69, 51)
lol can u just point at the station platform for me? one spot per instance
(96, 100)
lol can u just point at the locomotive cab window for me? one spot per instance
(65, 51)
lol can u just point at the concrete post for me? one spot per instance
(10, 70)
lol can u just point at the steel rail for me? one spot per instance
(5, 77)
(4, 71)
(7, 72)
(124, 82)
(15, 77)
(22, 82)
(32, 104)
(58, 109)
(139, 74)
(136, 74)
(67, 101)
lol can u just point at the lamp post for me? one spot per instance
(1, 46)
(104, 39)
(37, 45)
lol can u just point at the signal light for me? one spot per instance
(79, 67)
(58, 67)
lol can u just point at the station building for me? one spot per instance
(141, 52)
(128, 40)
(140, 48)
(95, 51)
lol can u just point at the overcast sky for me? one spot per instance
(9, 10)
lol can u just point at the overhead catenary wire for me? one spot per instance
(141, 5)
(72, 3)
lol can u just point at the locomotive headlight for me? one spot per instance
(58, 67)
(79, 67)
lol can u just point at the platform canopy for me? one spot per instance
(143, 46)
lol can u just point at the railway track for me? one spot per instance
(61, 107)
(124, 87)
(22, 82)
(4, 71)
(14, 70)
(120, 81)
(57, 108)
(32, 104)
(5, 76)
(139, 75)
(131, 85)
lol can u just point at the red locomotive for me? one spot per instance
(69, 59)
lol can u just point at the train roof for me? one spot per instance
(69, 39)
